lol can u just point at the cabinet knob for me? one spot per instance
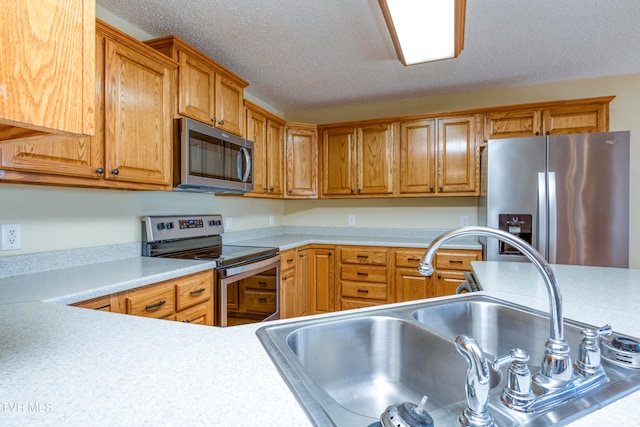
(221, 122)
(270, 188)
(359, 190)
(441, 187)
(431, 188)
(537, 133)
(115, 171)
(214, 120)
(290, 191)
(353, 191)
(99, 171)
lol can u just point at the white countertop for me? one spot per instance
(63, 365)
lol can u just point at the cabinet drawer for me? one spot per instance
(409, 257)
(365, 290)
(259, 301)
(288, 259)
(193, 289)
(455, 260)
(363, 273)
(152, 301)
(261, 282)
(366, 256)
(348, 304)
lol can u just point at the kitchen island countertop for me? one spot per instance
(62, 365)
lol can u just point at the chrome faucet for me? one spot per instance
(557, 369)
(477, 386)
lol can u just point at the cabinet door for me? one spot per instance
(458, 155)
(301, 150)
(418, 157)
(338, 152)
(411, 285)
(288, 294)
(512, 124)
(302, 283)
(447, 282)
(257, 132)
(47, 55)
(197, 89)
(274, 158)
(137, 116)
(576, 119)
(375, 159)
(321, 267)
(228, 111)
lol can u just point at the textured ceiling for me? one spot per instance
(308, 54)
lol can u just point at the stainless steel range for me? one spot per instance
(247, 277)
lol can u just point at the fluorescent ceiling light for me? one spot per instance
(425, 30)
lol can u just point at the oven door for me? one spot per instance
(249, 293)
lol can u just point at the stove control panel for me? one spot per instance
(158, 228)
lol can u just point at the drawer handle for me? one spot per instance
(362, 274)
(363, 256)
(413, 259)
(290, 260)
(262, 283)
(156, 305)
(186, 321)
(197, 291)
(455, 261)
(364, 291)
(262, 299)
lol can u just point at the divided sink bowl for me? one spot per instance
(346, 369)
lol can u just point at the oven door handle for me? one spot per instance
(250, 268)
(244, 152)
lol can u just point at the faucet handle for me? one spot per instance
(517, 393)
(589, 355)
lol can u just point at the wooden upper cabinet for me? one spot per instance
(439, 156)
(207, 91)
(512, 124)
(197, 82)
(47, 54)
(418, 156)
(374, 159)
(229, 96)
(138, 128)
(266, 131)
(458, 152)
(561, 117)
(301, 158)
(338, 157)
(133, 89)
(576, 119)
(358, 160)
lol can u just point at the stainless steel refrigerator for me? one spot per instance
(567, 195)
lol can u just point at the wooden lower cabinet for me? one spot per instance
(364, 277)
(451, 264)
(186, 299)
(321, 279)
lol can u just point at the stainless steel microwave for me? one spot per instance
(210, 160)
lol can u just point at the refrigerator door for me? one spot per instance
(510, 170)
(588, 186)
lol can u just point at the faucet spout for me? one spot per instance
(556, 365)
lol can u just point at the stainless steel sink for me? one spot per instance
(365, 363)
(345, 369)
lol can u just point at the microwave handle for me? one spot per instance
(243, 151)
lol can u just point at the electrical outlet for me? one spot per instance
(272, 220)
(11, 237)
(464, 220)
(228, 223)
(351, 220)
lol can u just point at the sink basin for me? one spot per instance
(346, 368)
(365, 364)
(481, 319)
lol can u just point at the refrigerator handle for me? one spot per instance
(553, 219)
(541, 234)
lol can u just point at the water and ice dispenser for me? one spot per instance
(518, 225)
